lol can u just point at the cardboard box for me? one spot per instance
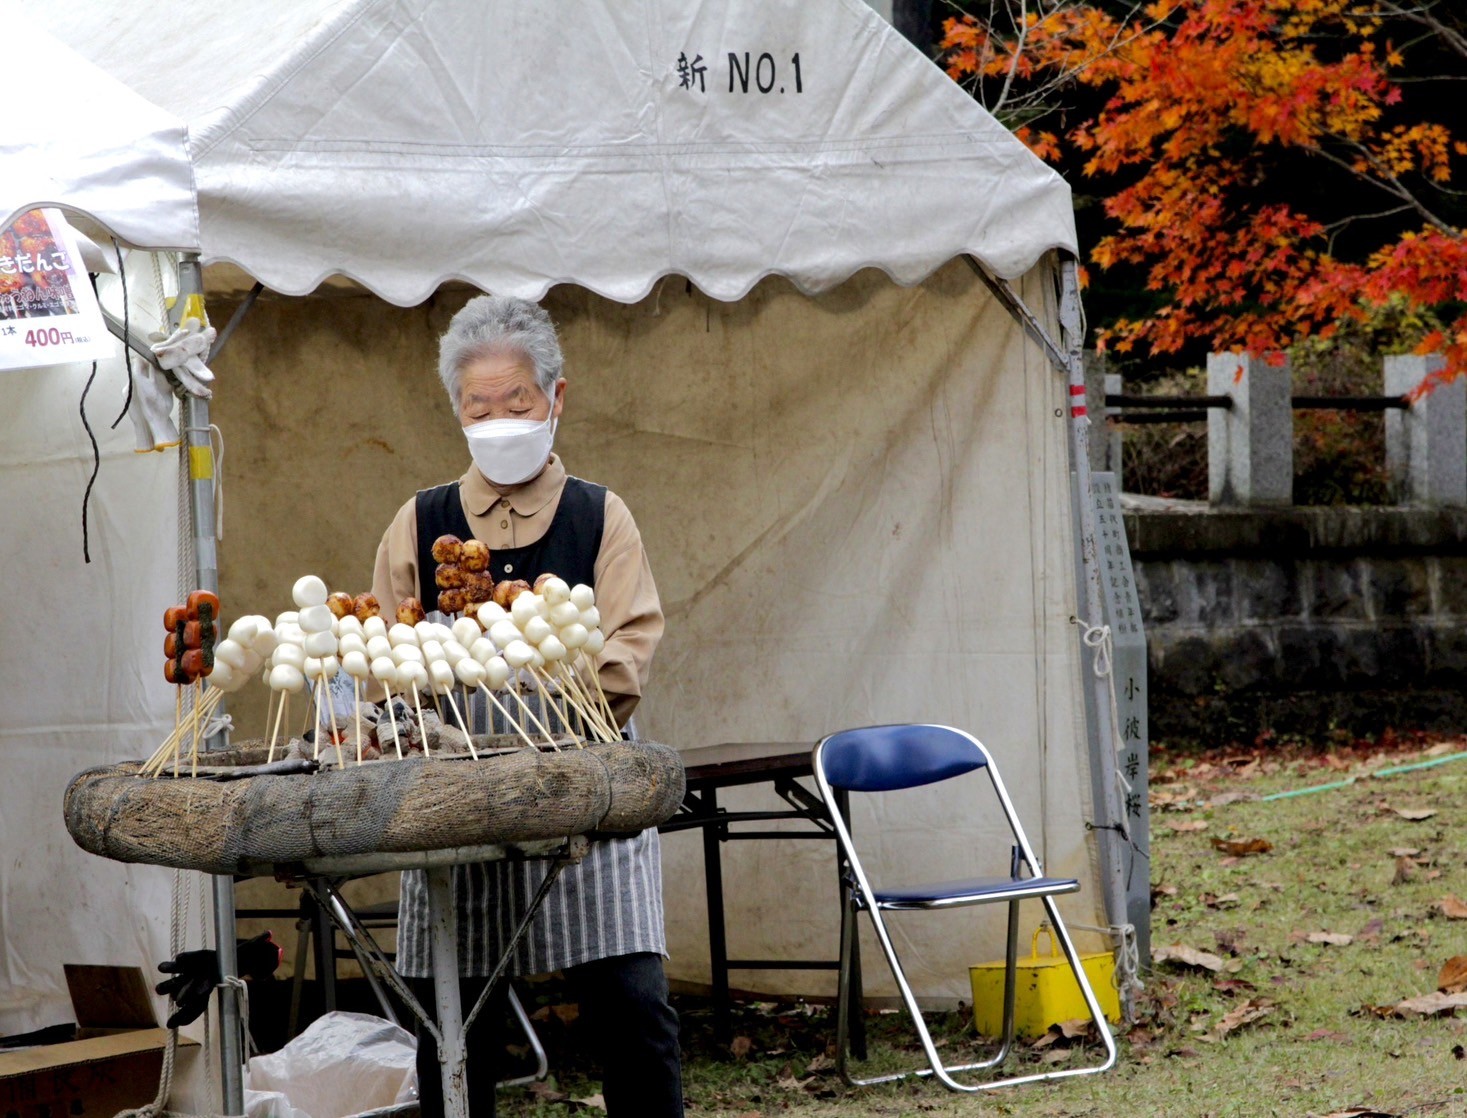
(1045, 991)
(114, 1066)
(100, 1076)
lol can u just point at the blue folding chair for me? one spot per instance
(888, 758)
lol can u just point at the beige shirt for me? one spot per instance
(517, 516)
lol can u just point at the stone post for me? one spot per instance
(1114, 386)
(1095, 390)
(1250, 447)
(1426, 444)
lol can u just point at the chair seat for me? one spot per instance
(974, 890)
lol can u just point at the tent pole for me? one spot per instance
(1068, 361)
(1111, 810)
(206, 575)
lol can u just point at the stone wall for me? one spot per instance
(1301, 621)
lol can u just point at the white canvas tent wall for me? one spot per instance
(525, 159)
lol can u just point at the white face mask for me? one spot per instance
(509, 451)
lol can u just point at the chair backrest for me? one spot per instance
(885, 758)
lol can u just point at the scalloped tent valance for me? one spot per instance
(518, 145)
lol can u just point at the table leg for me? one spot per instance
(717, 934)
(443, 934)
(325, 952)
(855, 1007)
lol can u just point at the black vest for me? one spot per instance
(568, 549)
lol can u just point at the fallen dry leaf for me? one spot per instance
(740, 1047)
(1441, 748)
(1330, 939)
(1414, 814)
(1225, 798)
(1227, 900)
(819, 1063)
(1326, 1034)
(1452, 979)
(1360, 1112)
(1254, 1009)
(546, 1093)
(591, 1102)
(1184, 825)
(1405, 852)
(1371, 932)
(1434, 1004)
(1187, 956)
(1452, 908)
(1246, 846)
(566, 1013)
(1405, 869)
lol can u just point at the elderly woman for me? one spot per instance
(601, 923)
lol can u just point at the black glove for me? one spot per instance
(196, 973)
(257, 957)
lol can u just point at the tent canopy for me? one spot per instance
(518, 145)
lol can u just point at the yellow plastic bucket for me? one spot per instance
(1045, 990)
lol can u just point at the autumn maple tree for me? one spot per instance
(1269, 169)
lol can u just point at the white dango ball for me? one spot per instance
(320, 644)
(324, 667)
(556, 591)
(289, 633)
(308, 591)
(441, 632)
(224, 677)
(265, 640)
(517, 654)
(383, 669)
(287, 617)
(374, 626)
(252, 662)
(289, 655)
(591, 618)
(595, 642)
(316, 619)
(432, 650)
(453, 652)
(230, 651)
(286, 677)
(469, 672)
(406, 654)
(496, 672)
(466, 631)
(440, 675)
(402, 634)
(574, 636)
(378, 646)
(312, 667)
(524, 607)
(552, 649)
(356, 664)
(482, 649)
(412, 676)
(243, 631)
(566, 613)
(490, 612)
(583, 596)
(424, 629)
(352, 642)
(537, 661)
(503, 632)
(537, 629)
(348, 626)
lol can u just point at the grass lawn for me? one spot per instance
(1315, 942)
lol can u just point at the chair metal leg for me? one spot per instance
(844, 1009)
(542, 1062)
(944, 1072)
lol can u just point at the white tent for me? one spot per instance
(893, 459)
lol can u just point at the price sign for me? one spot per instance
(48, 310)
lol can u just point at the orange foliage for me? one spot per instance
(1201, 94)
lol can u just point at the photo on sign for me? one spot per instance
(48, 310)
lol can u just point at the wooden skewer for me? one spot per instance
(356, 708)
(340, 760)
(596, 679)
(606, 724)
(547, 704)
(549, 737)
(396, 739)
(508, 718)
(570, 688)
(316, 725)
(279, 714)
(453, 706)
(422, 730)
(194, 747)
(155, 764)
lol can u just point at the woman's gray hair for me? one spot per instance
(495, 323)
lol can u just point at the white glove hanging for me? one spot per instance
(182, 353)
(151, 409)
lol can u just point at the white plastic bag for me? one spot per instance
(343, 1064)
